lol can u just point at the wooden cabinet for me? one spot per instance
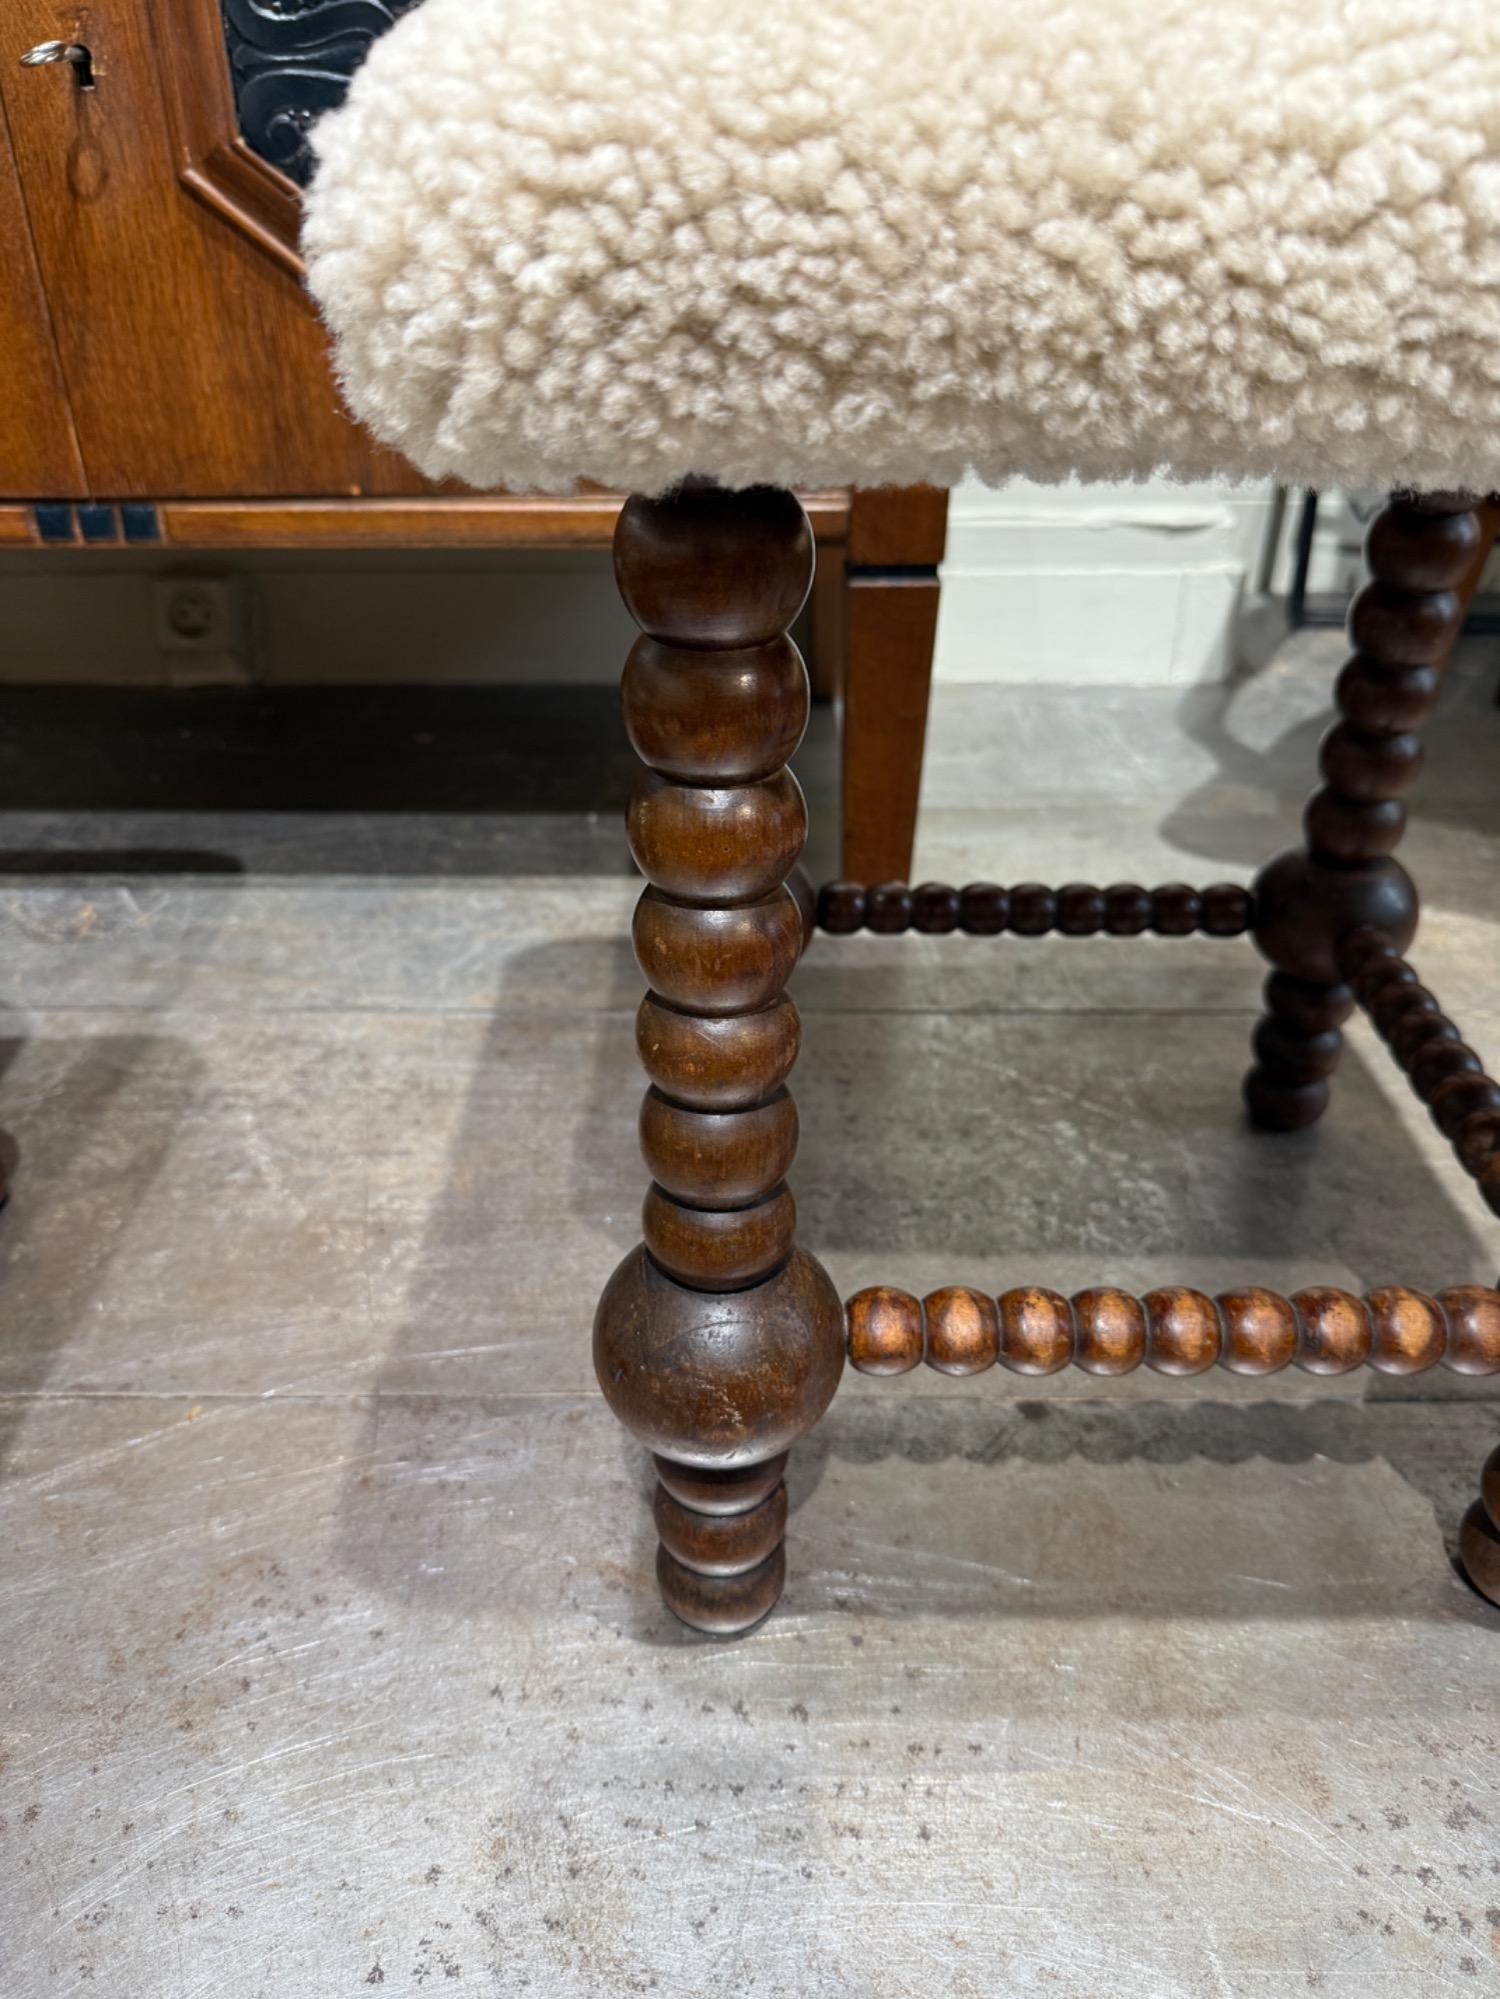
(38, 447)
(168, 333)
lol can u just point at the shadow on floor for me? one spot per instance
(89, 1126)
(391, 781)
(1463, 737)
(913, 1145)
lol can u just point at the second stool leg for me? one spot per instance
(1425, 557)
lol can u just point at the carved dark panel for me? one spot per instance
(291, 60)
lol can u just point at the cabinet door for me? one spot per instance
(193, 362)
(38, 450)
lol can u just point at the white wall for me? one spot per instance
(1097, 583)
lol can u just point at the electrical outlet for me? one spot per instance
(202, 630)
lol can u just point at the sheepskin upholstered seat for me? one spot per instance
(877, 240)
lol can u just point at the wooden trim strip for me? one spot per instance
(586, 520)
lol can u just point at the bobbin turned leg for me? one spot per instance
(1425, 556)
(717, 1342)
(1479, 1536)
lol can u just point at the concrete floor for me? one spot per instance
(329, 1652)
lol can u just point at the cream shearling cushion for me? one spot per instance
(880, 240)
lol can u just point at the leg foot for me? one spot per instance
(721, 1571)
(721, 1606)
(1479, 1536)
(1297, 1047)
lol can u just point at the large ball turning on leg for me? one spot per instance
(719, 1384)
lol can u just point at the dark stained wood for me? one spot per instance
(721, 1606)
(1413, 1033)
(1036, 1331)
(884, 1330)
(1333, 917)
(718, 960)
(1375, 702)
(721, 1488)
(1456, 1098)
(1080, 910)
(717, 1062)
(888, 909)
(1031, 909)
(800, 888)
(841, 908)
(1111, 1331)
(1479, 1535)
(898, 527)
(722, 1159)
(1425, 558)
(1227, 910)
(1334, 1330)
(473, 520)
(38, 449)
(1409, 1332)
(1260, 1331)
(889, 620)
(984, 909)
(826, 620)
(1410, 625)
(890, 631)
(1477, 1143)
(718, 1379)
(718, 1343)
(1473, 1316)
(1106, 1331)
(717, 843)
(1479, 1551)
(1368, 767)
(719, 1249)
(935, 909)
(1444, 1071)
(1176, 910)
(1421, 551)
(721, 1544)
(1127, 909)
(1398, 1000)
(708, 568)
(1297, 1047)
(963, 1330)
(1437, 1060)
(722, 718)
(1183, 1331)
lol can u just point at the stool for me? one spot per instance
(786, 247)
